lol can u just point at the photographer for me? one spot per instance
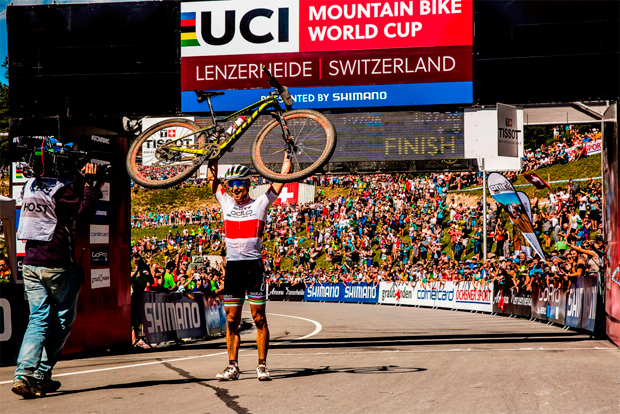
(140, 279)
(51, 208)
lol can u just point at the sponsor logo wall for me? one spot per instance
(342, 292)
(287, 292)
(170, 317)
(448, 295)
(332, 54)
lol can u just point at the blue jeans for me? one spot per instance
(52, 296)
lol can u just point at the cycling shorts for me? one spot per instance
(245, 276)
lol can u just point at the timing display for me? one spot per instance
(382, 136)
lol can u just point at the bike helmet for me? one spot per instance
(237, 172)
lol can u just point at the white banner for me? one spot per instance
(99, 234)
(99, 278)
(507, 131)
(504, 193)
(592, 147)
(448, 295)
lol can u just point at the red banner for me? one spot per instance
(360, 25)
(445, 64)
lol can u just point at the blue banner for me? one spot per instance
(359, 96)
(342, 292)
(574, 303)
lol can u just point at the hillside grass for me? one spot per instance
(584, 168)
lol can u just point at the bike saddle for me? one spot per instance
(203, 95)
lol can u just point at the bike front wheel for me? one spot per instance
(314, 140)
(166, 154)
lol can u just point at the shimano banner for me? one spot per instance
(342, 292)
(169, 317)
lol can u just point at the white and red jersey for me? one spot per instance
(244, 224)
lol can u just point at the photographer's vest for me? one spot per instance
(38, 214)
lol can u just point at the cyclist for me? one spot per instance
(244, 221)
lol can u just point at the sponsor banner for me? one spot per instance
(504, 193)
(102, 213)
(342, 292)
(99, 278)
(574, 303)
(396, 293)
(99, 234)
(556, 306)
(519, 304)
(295, 293)
(323, 292)
(548, 303)
(588, 305)
(286, 291)
(436, 294)
(276, 292)
(239, 27)
(170, 317)
(215, 316)
(360, 293)
(450, 295)
(359, 96)
(471, 297)
(507, 131)
(99, 256)
(388, 66)
(592, 147)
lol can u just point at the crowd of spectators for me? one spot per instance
(391, 228)
(407, 229)
(570, 148)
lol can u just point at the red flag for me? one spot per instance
(536, 181)
(289, 194)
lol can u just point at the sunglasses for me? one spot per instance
(237, 183)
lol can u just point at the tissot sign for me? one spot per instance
(332, 54)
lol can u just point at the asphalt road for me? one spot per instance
(347, 358)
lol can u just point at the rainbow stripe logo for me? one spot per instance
(188, 29)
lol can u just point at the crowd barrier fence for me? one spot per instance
(575, 308)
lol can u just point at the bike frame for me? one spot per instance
(261, 107)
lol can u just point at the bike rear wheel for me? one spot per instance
(315, 141)
(154, 161)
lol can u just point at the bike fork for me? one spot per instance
(289, 141)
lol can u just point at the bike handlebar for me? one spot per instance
(282, 90)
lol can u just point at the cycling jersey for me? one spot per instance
(244, 224)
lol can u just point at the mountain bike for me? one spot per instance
(169, 152)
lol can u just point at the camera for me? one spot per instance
(47, 157)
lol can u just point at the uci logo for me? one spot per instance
(248, 29)
(241, 27)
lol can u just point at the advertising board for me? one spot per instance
(342, 292)
(332, 54)
(449, 295)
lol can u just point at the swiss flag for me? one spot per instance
(289, 194)
(536, 181)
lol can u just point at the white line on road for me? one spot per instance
(317, 329)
